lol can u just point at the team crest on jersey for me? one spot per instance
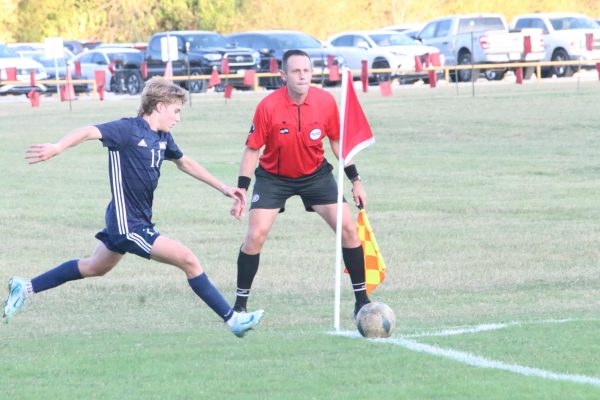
(284, 131)
(162, 145)
(315, 134)
(251, 129)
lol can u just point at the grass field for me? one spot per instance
(486, 210)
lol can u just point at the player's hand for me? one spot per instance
(41, 152)
(359, 195)
(237, 209)
(235, 193)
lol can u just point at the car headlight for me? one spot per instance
(212, 56)
(256, 57)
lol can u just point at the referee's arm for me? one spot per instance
(249, 160)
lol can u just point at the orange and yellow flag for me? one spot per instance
(374, 264)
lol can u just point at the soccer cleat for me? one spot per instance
(16, 297)
(241, 323)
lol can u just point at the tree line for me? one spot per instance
(136, 20)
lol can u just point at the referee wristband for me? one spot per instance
(244, 182)
(351, 173)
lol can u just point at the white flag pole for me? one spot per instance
(340, 182)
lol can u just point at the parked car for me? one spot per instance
(198, 53)
(24, 66)
(273, 44)
(120, 65)
(406, 29)
(51, 68)
(564, 38)
(480, 39)
(382, 49)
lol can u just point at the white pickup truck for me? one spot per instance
(565, 38)
(481, 39)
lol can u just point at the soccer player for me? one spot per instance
(137, 148)
(290, 125)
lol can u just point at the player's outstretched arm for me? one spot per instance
(45, 151)
(248, 164)
(358, 192)
(194, 169)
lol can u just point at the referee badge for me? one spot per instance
(315, 134)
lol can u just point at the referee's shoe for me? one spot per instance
(16, 297)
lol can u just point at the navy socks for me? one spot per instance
(211, 296)
(65, 272)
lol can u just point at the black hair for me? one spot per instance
(290, 53)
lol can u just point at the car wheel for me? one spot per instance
(561, 71)
(133, 82)
(494, 74)
(197, 85)
(380, 76)
(466, 75)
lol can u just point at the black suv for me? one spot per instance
(198, 53)
(272, 44)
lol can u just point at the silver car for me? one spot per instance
(382, 49)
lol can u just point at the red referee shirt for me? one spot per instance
(293, 134)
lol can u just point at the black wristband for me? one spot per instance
(244, 182)
(351, 172)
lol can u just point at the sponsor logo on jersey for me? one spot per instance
(162, 145)
(315, 134)
(284, 131)
(142, 143)
(255, 198)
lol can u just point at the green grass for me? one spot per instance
(485, 208)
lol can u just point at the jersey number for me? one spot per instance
(155, 163)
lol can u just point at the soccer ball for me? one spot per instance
(376, 320)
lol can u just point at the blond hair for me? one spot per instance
(160, 90)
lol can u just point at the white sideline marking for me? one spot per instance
(485, 327)
(478, 361)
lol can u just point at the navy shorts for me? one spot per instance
(271, 191)
(138, 242)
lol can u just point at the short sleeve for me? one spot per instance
(172, 152)
(116, 134)
(259, 130)
(333, 121)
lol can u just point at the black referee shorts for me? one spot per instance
(271, 191)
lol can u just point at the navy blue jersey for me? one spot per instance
(135, 155)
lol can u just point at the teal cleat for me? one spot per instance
(241, 323)
(16, 297)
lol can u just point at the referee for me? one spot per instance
(289, 126)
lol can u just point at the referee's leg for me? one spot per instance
(354, 257)
(260, 222)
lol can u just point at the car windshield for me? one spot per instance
(479, 24)
(5, 52)
(284, 41)
(561, 24)
(392, 39)
(48, 62)
(125, 57)
(201, 41)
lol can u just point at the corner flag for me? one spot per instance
(357, 133)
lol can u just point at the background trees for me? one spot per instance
(136, 20)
